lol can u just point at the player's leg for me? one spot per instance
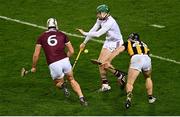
(59, 82)
(149, 86)
(76, 87)
(104, 55)
(147, 75)
(109, 47)
(120, 75)
(67, 68)
(132, 76)
(133, 72)
(58, 76)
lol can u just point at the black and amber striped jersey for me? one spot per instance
(136, 47)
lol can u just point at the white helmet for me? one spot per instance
(52, 23)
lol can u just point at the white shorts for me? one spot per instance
(112, 45)
(59, 68)
(140, 62)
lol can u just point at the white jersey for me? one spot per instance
(108, 26)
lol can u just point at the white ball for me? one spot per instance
(86, 51)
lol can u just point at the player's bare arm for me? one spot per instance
(92, 34)
(70, 49)
(82, 45)
(87, 38)
(36, 57)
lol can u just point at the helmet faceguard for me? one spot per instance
(134, 37)
(52, 23)
(102, 11)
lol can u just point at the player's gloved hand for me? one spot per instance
(82, 46)
(33, 69)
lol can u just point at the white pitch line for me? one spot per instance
(75, 35)
(165, 59)
(157, 26)
(22, 22)
(42, 27)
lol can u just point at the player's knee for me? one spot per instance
(147, 74)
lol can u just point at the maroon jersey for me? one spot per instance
(53, 42)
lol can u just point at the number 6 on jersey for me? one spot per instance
(52, 41)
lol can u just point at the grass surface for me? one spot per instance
(36, 94)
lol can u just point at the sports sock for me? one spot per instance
(150, 96)
(81, 97)
(129, 95)
(119, 74)
(105, 81)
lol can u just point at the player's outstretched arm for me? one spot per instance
(93, 29)
(98, 33)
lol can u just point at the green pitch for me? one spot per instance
(36, 94)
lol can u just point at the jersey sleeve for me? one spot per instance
(101, 31)
(66, 39)
(39, 40)
(93, 29)
(96, 26)
(125, 45)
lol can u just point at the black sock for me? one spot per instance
(150, 96)
(105, 81)
(81, 99)
(119, 74)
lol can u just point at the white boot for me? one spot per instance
(152, 100)
(105, 87)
